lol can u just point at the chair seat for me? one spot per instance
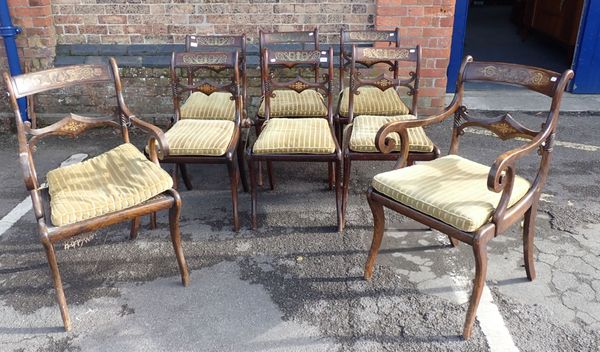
(289, 103)
(373, 101)
(451, 189)
(118, 179)
(295, 136)
(200, 137)
(216, 106)
(365, 128)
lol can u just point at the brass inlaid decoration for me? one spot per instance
(386, 54)
(213, 41)
(49, 78)
(515, 75)
(207, 88)
(299, 56)
(369, 36)
(298, 86)
(212, 59)
(73, 127)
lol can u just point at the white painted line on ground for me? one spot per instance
(578, 146)
(14, 215)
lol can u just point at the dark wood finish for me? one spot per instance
(73, 125)
(293, 59)
(198, 65)
(305, 40)
(502, 173)
(392, 57)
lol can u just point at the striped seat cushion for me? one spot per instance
(373, 101)
(112, 181)
(451, 189)
(200, 137)
(217, 106)
(295, 136)
(289, 103)
(365, 129)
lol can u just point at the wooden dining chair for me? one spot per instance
(376, 101)
(362, 38)
(222, 43)
(468, 201)
(115, 186)
(206, 127)
(298, 118)
(293, 40)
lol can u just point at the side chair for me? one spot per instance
(468, 201)
(116, 186)
(288, 135)
(363, 93)
(206, 128)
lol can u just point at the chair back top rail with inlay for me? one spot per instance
(364, 38)
(275, 60)
(391, 56)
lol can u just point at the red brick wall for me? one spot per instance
(428, 23)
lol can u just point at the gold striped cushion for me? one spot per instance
(451, 189)
(373, 101)
(366, 127)
(295, 136)
(200, 137)
(289, 103)
(112, 181)
(217, 106)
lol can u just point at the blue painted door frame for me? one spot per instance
(587, 55)
(587, 58)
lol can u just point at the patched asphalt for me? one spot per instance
(295, 284)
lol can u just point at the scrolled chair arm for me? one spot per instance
(157, 136)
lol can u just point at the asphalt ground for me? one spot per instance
(295, 284)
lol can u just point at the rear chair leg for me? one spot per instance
(253, 184)
(271, 177)
(58, 286)
(528, 236)
(378, 227)
(184, 174)
(176, 239)
(338, 196)
(135, 228)
(330, 175)
(345, 186)
(233, 176)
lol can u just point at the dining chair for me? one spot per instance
(298, 117)
(115, 186)
(468, 201)
(375, 101)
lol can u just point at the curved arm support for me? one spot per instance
(157, 138)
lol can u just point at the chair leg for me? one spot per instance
(135, 227)
(233, 176)
(176, 239)
(175, 176)
(242, 165)
(378, 227)
(453, 241)
(270, 172)
(58, 286)
(153, 224)
(481, 259)
(330, 175)
(338, 196)
(184, 174)
(528, 235)
(346, 185)
(253, 185)
(259, 168)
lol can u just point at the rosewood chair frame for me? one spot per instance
(72, 126)
(358, 38)
(502, 173)
(274, 41)
(392, 57)
(192, 63)
(297, 84)
(220, 43)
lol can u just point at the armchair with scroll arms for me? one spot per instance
(115, 186)
(467, 201)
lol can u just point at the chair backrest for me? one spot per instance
(372, 56)
(293, 40)
(199, 65)
(294, 59)
(223, 43)
(71, 125)
(365, 38)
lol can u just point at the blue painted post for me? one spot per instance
(587, 58)
(9, 32)
(458, 42)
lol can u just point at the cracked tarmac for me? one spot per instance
(295, 284)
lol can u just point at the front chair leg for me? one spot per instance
(253, 184)
(528, 235)
(346, 185)
(153, 223)
(233, 176)
(135, 227)
(184, 174)
(481, 259)
(338, 196)
(242, 165)
(58, 286)
(174, 213)
(378, 228)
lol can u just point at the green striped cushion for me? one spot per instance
(289, 103)
(216, 106)
(373, 101)
(295, 136)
